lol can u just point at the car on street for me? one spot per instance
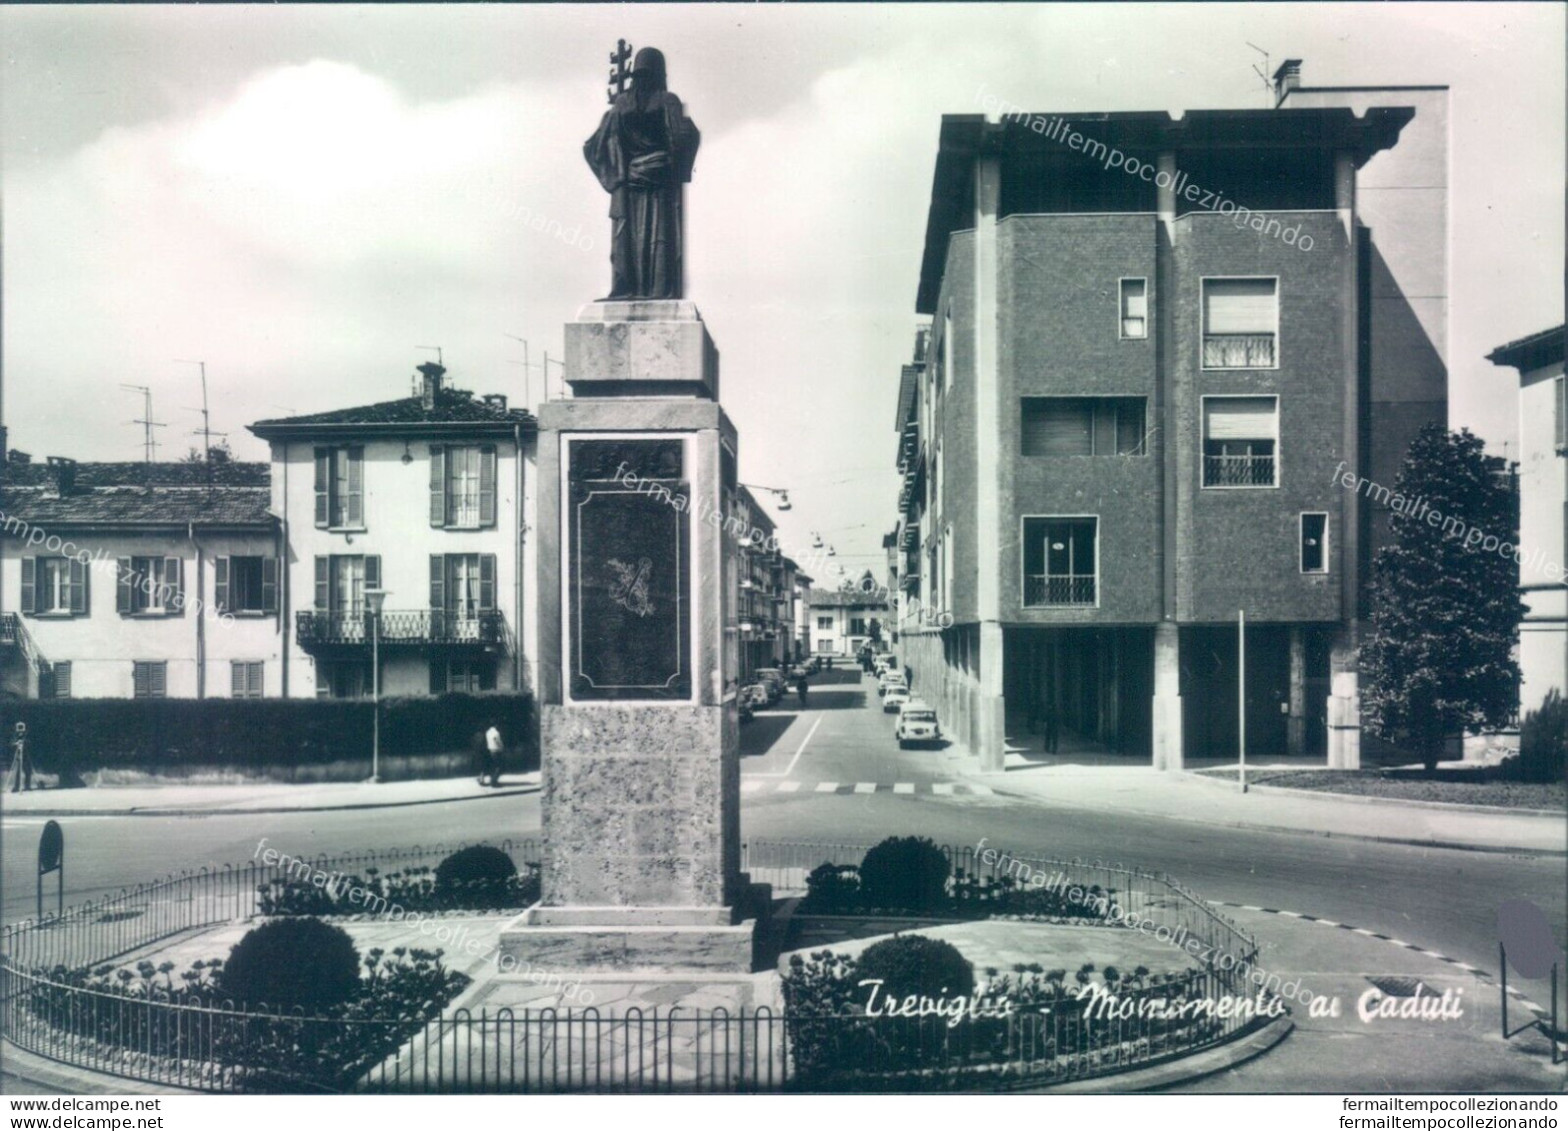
(897, 695)
(889, 680)
(916, 723)
(774, 679)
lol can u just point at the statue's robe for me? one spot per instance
(642, 157)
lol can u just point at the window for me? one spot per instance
(341, 581)
(1060, 562)
(947, 350)
(342, 680)
(340, 488)
(54, 587)
(468, 676)
(1240, 323)
(1562, 417)
(245, 679)
(1240, 435)
(461, 587)
(1082, 426)
(1135, 308)
(825, 624)
(857, 626)
(150, 587)
(246, 584)
(150, 679)
(462, 486)
(1314, 542)
(54, 680)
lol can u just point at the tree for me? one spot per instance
(1445, 599)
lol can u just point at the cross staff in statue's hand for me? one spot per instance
(620, 73)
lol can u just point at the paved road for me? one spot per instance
(1436, 898)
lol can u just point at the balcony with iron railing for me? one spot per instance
(1238, 471)
(483, 628)
(1059, 590)
(1238, 351)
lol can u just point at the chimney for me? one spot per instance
(1286, 79)
(496, 401)
(430, 388)
(63, 473)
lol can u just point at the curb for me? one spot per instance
(1364, 799)
(1185, 1069)
(517, 791)
(1509, 849)
(53, 1078)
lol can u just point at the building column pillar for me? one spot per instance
(1167, 697)
(992, 728)
(1344, 704)
(1296, 723)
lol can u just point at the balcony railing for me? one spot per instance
(1238, 471)
(1056, 591)
(8, 627)
(1238, 351)
(484, 628)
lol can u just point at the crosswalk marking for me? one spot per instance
(761, 783)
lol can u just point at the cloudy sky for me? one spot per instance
(301, 196)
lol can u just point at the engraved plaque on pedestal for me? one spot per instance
(629, 570)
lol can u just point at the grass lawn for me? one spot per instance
(1465, 787)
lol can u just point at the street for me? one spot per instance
(833, 773)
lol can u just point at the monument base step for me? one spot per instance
(625, 948)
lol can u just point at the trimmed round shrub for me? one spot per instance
(480, 870)
(914, 964)
(292, 962)
(906, 873)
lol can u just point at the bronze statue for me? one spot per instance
(643, 153)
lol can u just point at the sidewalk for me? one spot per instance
(1188, 797)
(257, 797)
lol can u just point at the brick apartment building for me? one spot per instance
(1124, 422)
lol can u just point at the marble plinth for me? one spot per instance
(641, 348)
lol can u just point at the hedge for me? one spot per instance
(75, 736)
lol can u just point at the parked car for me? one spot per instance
(897, 695)
(890, 679)
(774, 679)
(916, 723)
(755, 696)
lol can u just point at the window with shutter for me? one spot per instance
(1240, 437)
(149, 679)
(437, 485)
(245, 679)
(29, 585)
(220, 583)
(323, 583)
(1082, 426)
(323, 492)
(269, 585)
(1240, 323)
(487, 485)
(487, 582)
(355, 509)
(61, 670)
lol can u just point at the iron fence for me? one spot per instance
(215, 1047)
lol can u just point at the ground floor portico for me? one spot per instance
(1166, 695)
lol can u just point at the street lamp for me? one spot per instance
(374, 600)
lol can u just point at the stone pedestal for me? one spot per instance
(638, 727)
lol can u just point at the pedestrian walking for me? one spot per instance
(800, 689)
(20, 775)
(1051, 733)
(493, 750)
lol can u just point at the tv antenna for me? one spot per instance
(205, 431)
(1263, 73)
(149, 445)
